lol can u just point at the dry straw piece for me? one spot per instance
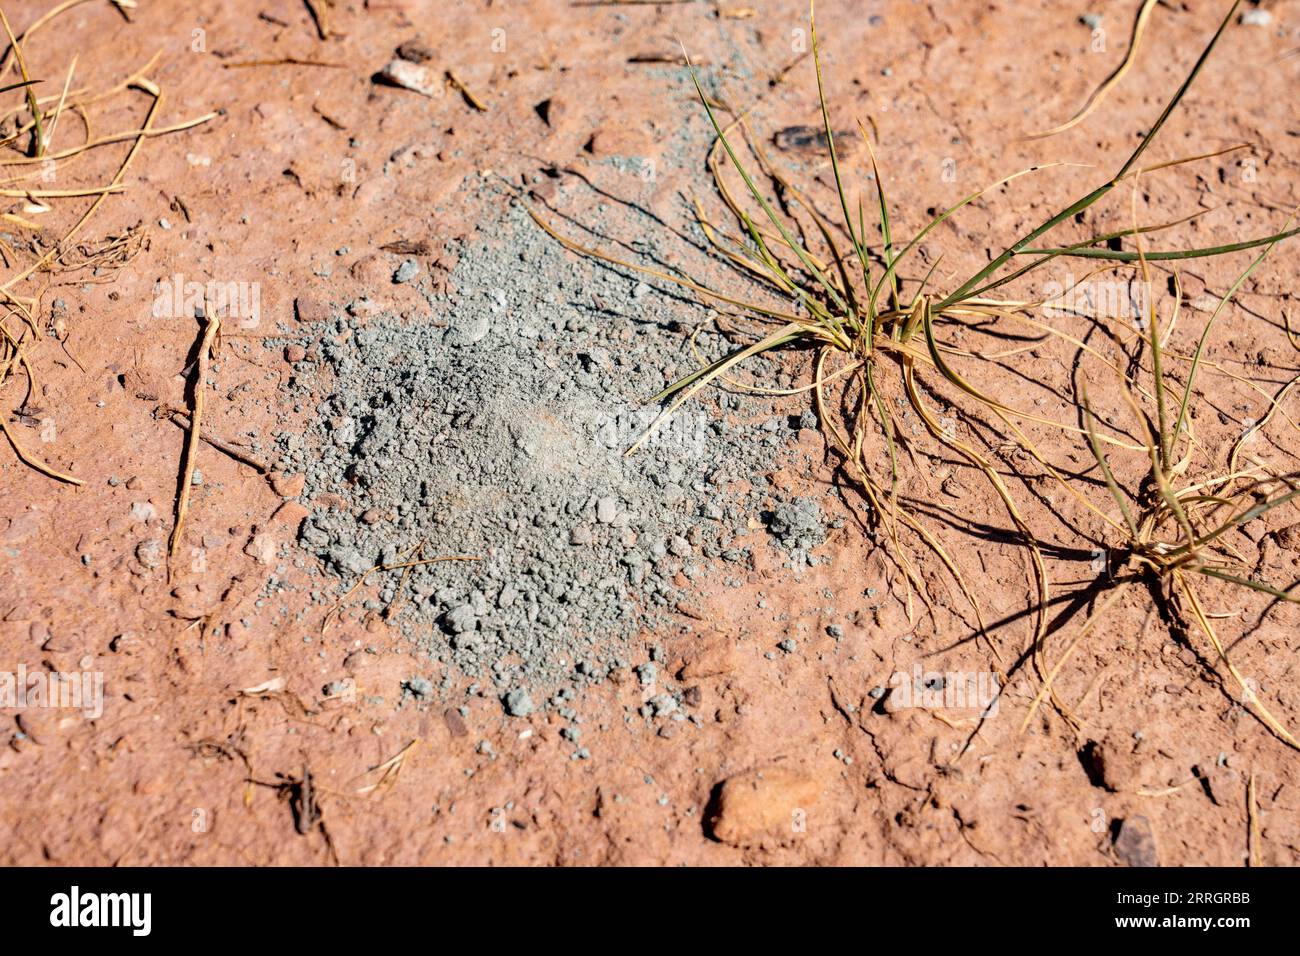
(31, 156)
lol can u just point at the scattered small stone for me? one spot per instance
(461, 618)
(288, 486)
(411, 76)
(607, 509)
(150, 553)
(797, 524)
(663, 704)
(765, 802)
(518, 703)
(455, 722)
(419, 687)
(1135, 842)
(413, 51)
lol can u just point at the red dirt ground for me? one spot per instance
(185, 766)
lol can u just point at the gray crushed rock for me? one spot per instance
(519, 703)
(798, 524)
(495, 426)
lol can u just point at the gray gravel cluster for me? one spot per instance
(797, 524)
(495, 427)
